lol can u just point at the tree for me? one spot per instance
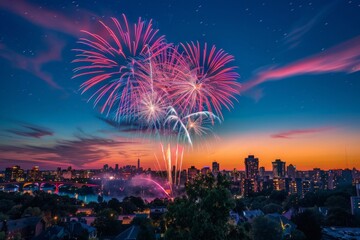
(115, 205)
(146, 231)
(337, 202)
(239, 206)
(278, 196)
(339, 217)
(32, 211)
(272, 208)
(309, 222)
(292, 201)
(297, 235)
(107, 222)
(203, 213)
(264, 228)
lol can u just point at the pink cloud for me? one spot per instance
(344, 57)
(296, 132)
(35, 64)
(50, 19)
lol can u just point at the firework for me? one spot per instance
(175, 92)
(109, 61)
(211, 82)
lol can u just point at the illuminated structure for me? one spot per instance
(215, 167)
(192, 172)
(251, 167)
(278, 168)
(291, 171)
(205, 170)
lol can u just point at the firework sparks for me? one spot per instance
(133, 72)
(110, 63)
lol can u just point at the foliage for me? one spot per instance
(107, 222)
(264, 228)
(309, 222)
(146, 231)
(339, 217)
(272, 208)
(204, 213)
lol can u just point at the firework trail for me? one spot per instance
(176, 93)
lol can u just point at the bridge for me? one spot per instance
(40, 184)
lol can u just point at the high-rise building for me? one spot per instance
(138, 164)
(205, 170)
(262, 172)
(247, 186)
(116, 167)
(14, 173)
(192, 172)
(215, 167)
(8, 174)
(278, 168)
(305, 187)
(251, 167)
(291, 171)
(35, 173)
(106, 167)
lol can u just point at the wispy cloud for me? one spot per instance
(296, 132)
(31, 131)
(344, 57)
(35, 64)
(82, 150)
(296, 35)
(52, 22)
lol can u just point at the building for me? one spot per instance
(278, 168)
(247, 186)
(27, 227)
(192, 172)
(355, 205)
(35, 174)
(262, 172)
(205, 170)
(282, 184)
(251, 167)
(306, 187)
(8, 174)
(296, 186)
(215, 167)
(251, 214)
(291, 171)
(106, 167)
(340, 233)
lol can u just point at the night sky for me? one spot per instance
(299, 63)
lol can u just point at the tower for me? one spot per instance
(215, 167)
(278, 168)
(251, 167)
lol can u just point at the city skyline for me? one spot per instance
(298, 102)
(211, 165)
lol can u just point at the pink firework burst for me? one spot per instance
(109, 61)
(210, 83)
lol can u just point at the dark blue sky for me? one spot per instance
(299, 63)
